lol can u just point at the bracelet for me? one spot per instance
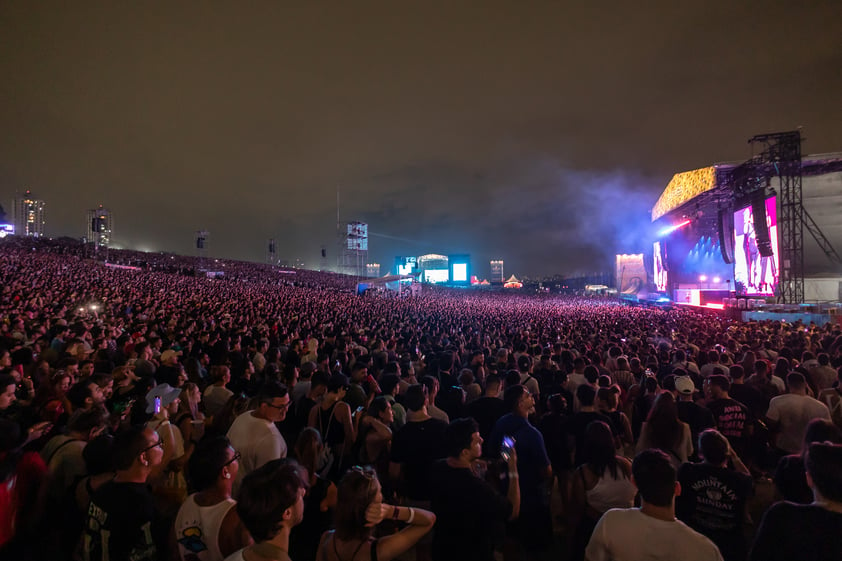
(395, 512)
(411, 515)
(513, 475)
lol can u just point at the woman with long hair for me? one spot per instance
(601, 483)
(359, 509)
(374, 437)
(319, 501)
(608, 402)
(665, 431)
(188, 418)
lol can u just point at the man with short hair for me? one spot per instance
(487, 409)
(790, 413)
(417, 445)
(831, 397)
(714, 495)
(85, 394)
(524, 368)
(122, 521)
(806, 532)
(470, 514)
(534, 525)
(254, 433)
(650, 531)
(63, 453)
(270, 505)
(433, 385)
(733, 419)
(823, 374)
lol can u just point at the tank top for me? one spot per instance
(332, 430)
(611, 493)
(197, 529)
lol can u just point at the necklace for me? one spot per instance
(270, 550)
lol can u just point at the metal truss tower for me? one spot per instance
(782, 152)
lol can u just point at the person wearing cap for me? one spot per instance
(168, 483)
(169, 370)
(697, 417)
(254, 434)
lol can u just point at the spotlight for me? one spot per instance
(716, 279)
(703, 278)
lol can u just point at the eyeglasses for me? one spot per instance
(279, 407)
(160, 443)
(236, 457)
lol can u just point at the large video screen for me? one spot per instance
(460, 272)
(758, 274)
(436, 275)
(405, 265)
(660, 271)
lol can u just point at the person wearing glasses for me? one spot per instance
(122, 522)
(254, 433)
(359, 509)
(207, 527)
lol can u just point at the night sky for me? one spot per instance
(537, 132)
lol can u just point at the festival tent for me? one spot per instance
(513, 283)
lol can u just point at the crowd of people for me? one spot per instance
(158, 413)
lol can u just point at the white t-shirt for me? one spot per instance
(793, 413)
(258, 441)
(626, 534)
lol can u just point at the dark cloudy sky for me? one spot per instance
(538, 132)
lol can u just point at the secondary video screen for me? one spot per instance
(757, 274)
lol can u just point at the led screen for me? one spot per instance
(758, 274)
(659, 270)
(406, 269)
(460, 272)
(435, 275)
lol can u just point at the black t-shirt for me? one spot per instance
(578, 423)
(751, 397)
(733, 420)
(417, 445)
(712, 502)
(121, 515)
(791, 479)
(555, 432)
(486, 411)
(470, 515)
(698, 417)
(804, 532)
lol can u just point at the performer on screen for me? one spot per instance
(768, 267)
(750, 251)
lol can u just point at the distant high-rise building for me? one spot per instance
(99, 226)
(497, 271)
(30, 215)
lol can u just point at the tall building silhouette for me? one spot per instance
(99, 226)
(29, 215)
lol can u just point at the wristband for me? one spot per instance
(513, 475)
(411, 515)
(395, 513)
